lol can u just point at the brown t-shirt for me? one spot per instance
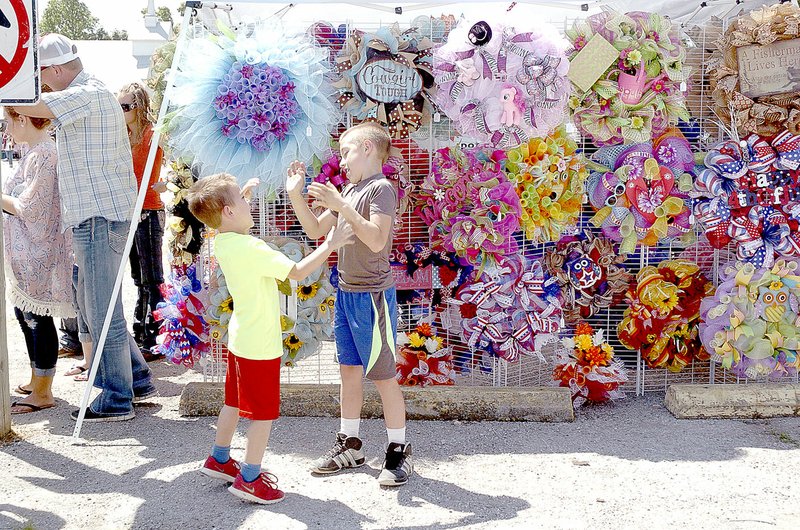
(360, 269)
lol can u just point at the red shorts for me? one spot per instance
(254, 387)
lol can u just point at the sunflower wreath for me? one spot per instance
(589, 273)
(751, 323)
(184, 231)
(501, 83)
(765, 112)
(512, 314)
(640, 96)
(586, 365)
(423, 359)
(470, 206)
(249, 102)
(661, 321)
(302, 335)
(549, 176)
(642, 196)
(384, 77)
(184, 332)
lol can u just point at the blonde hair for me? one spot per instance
(373, 132)
(141, 100)
(208, 196)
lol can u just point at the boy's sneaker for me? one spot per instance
(98, 417)
(263, 490)
(397, 467)
(227, 471)
(346, 452)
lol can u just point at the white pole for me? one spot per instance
(137, 210)
(5, 369)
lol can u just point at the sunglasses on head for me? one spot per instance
(127, 107)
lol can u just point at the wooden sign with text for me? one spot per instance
(771, 69)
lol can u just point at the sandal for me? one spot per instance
(83, 376)
(76, 369)
(31, 407)
(22, 390)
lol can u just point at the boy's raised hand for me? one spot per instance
(340, 236)
(326, 195)
(249, 187)
(295, 177)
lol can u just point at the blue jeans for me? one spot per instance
(148, 275)
(98, 245)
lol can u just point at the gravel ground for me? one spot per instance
(628, 465)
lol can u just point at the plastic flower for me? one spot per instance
(306, 292)
(433, 344)
(415, 340)
(292, 342)
(424, 329)
(583, 342)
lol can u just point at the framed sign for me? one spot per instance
(422, 278)
(769, 69)
(19, 60)
(389, 81)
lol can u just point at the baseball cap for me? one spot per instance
(55, 49)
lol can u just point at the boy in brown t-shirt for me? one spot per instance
(366, 303)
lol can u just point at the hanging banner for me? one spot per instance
(19, 61)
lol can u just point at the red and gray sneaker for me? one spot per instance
(227, 471)
(263, 490)
(346, 452)
(397, 467)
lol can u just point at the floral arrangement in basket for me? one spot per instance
(368, 93)
(750, 325)
(422, 358)
(549, 176)
(640, 192)
(512, 313)
(590, 275)
(756, 106)
(502, 83)
(302, 335)
(251, 100)
(183, 333)
(470, 206)
(586, 366)
(747, 193)
(641, 95)
(663, 314)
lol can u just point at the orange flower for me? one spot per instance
(424, 329)
(584, 329)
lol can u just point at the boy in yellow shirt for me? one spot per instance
(252, 383)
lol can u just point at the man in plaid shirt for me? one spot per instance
(98, 192)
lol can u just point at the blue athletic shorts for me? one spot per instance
(365, 326)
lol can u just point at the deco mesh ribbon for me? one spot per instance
(748, 193)
(422, 358)
(590, 276)
(661, 321)
(586, 366)
(501, 82)
(641, 197)
(644, 40)
(384, 76)
(549, 176)
(750, 325)
(509, 315)
(314, 323)
(183, 335)
(470, 206)
(765, 115)
(249, 103)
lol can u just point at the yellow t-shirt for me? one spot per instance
(251, 269)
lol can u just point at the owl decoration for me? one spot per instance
(750, 325)
(589, 273)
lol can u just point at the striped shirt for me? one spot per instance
(95, 166)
